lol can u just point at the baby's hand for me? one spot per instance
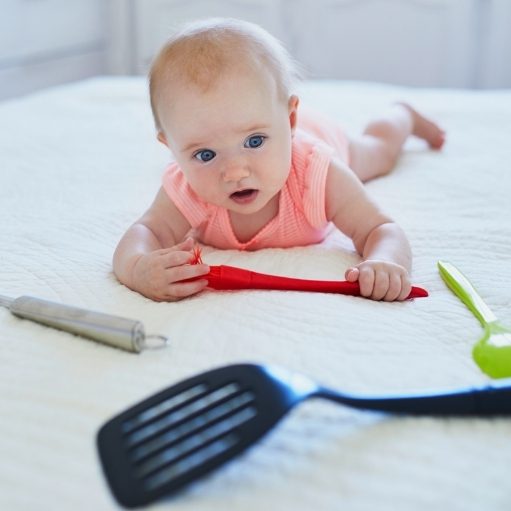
(380, 280)
(157, 275)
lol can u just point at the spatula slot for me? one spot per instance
(185, 465)
(177, 454)
(164, 406)
(177, 414)
(191, 426)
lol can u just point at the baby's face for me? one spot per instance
(233, 143)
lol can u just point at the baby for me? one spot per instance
(253, 170)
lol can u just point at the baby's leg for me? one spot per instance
(375, 152)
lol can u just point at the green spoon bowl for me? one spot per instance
(492, 353)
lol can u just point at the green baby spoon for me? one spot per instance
(492, 352)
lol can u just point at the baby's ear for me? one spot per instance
(162, 138)
(293, 112)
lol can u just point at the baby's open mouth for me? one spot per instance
(244, 196)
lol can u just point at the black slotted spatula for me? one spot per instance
(185, 431)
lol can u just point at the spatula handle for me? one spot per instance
(489, 400)
(466, 292)
(230, 277)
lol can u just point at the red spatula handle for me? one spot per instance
(230, 277)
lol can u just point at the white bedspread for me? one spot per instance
(79, 163)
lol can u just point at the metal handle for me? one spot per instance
(123, 333)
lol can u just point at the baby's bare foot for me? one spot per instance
(426, 129)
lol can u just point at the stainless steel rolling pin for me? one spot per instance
(124, 333)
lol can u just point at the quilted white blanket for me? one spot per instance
(79, 163)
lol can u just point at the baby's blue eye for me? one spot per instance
(254, 141)
(205, 155)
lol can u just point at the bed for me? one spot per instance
(80, 162)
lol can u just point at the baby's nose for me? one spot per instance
(235, 172)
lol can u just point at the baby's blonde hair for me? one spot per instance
(203, 50)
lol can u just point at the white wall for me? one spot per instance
(495, 57)
(46, 42)
(435, 43)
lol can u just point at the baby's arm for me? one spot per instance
(384, 272)
(152, 257)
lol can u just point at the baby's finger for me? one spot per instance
(184, 289)
(406, 288)
(176, 258)
(186, 244)
(381, 285)
(351, 274)
(366, 281)
(187, 272)
(394, 289)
